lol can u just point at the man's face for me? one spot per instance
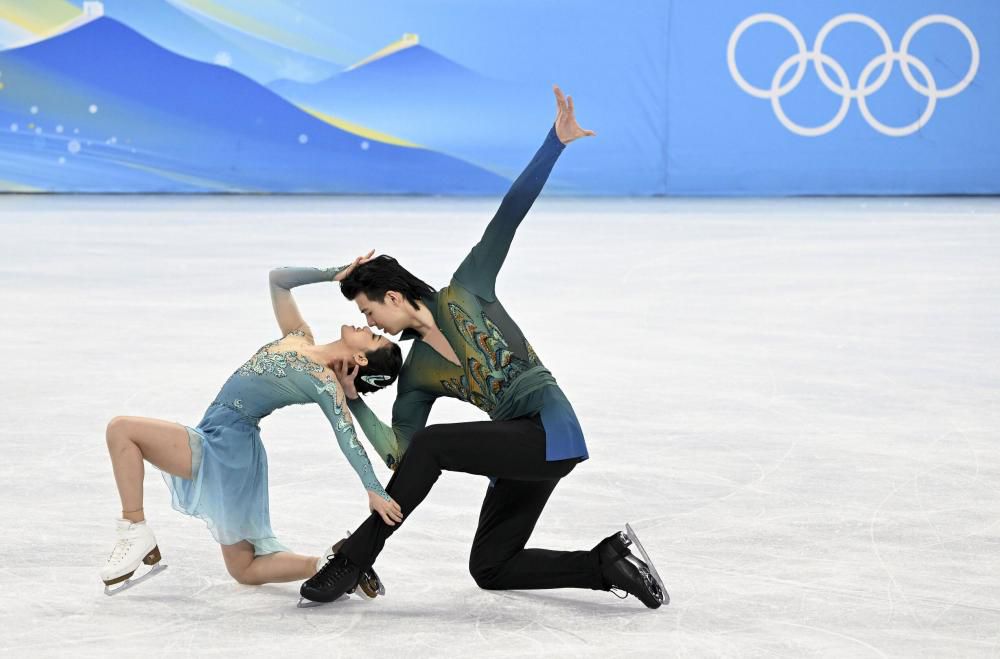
(389, 315)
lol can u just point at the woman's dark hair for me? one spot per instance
(380, 371)
(382, 274)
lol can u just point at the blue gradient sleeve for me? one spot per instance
(327, 397)
(289, 278)
(478, 272)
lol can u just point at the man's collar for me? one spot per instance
(430, 302)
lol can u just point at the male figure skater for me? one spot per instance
(467, 347)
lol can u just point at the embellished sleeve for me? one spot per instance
(282, 281)
(288, 278)
(478, 272)
(327, 396)
(409, 414)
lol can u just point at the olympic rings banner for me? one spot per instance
(817, 98)
(706, 97)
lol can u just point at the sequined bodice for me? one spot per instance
(273, 378)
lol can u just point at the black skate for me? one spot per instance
(623, 571)
(370, 584)
(337, 578)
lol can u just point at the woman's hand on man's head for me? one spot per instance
(355, 263)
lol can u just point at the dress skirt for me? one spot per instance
(228, 485)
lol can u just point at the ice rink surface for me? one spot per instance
(795, 403)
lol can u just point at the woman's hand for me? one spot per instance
(389, 510)
(346, 376)
(355, 263)
(567, 129)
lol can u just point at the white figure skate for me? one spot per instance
(136, 545)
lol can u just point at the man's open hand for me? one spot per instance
(567, 129)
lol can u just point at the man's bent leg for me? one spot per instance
(499, 561)
(416, 474)
(502, 449)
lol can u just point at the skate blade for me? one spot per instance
(309, 604)
(115, 589)
(630, 532)
(371, 591)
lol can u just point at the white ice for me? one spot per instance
(795, 403)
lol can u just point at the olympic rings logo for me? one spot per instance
(865, 87)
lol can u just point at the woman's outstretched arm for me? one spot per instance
(283, 280)
(331, 400)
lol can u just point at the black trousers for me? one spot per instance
(513, 452)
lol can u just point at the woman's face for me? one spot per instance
(388, 316)
(361, 339)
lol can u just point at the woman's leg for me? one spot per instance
(132, 439)
(270, 568)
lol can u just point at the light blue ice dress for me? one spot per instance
(229, 487)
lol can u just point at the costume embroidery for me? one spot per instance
(345, 426)
(276, 363)
(279, 364)
(492, 369)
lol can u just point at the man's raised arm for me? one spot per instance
(478, 272)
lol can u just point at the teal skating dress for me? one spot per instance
(228, 489)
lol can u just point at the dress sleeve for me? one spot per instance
(289, 278)
(478, 272)
(282, 281)
(409, 414)
(327, 398)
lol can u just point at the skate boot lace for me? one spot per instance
(118, 553)
(331, 572)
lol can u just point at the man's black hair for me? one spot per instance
(381, 275)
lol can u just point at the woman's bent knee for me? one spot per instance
(243, 577)
(116, 428)
(117, 433)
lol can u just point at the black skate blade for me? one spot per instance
(630, 532)
(309, 604)
(133, 581)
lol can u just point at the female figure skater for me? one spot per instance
(218, 470)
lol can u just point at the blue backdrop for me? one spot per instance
(452, 97)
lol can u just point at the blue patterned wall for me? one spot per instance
(452, 97)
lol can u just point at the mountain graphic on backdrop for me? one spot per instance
(181, 28)
(416, 94)
(75, 114)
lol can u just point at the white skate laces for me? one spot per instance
(119, 552)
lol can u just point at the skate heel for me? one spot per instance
(370, 585)
(153, 557)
